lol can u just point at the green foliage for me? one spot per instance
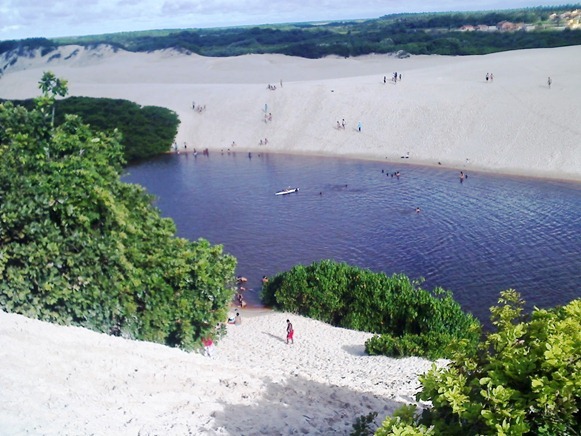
(363, 424)
(79, 247)
(146, 131)
(423, 33)
(51, 85)
(525, 378)
(411, 321)
(402, 423)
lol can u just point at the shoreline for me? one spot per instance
(442, 110)
(539, 176)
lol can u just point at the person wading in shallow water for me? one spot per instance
(289, 332)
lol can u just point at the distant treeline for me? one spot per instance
(146, 131)
(423, 33)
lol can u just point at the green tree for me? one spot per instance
(51, 86)
(524, 379)
(78, 246)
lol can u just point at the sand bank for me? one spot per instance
(442, 112)
(68, 380)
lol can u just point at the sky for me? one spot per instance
(20, 19)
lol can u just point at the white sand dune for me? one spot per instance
(442, 112)
(68, 380)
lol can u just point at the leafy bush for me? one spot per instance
(415, 321)
(146, 131)
(524, 379)
(431, 345)
(78, 246)
(363, 425)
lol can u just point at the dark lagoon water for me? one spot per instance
(475, 238)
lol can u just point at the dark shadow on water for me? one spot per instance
(300, 406)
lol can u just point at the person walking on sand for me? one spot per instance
(237, 319)
(208, 347)
(549, 81)
(290, 332)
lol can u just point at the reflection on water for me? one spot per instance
(475, 238)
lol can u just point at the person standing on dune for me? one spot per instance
(289, 332)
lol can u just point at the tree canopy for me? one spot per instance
(78, 246)
(146, 131)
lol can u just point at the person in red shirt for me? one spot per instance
(289, 332)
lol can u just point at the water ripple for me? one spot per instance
(475, 238)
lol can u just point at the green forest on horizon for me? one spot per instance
(443, 33)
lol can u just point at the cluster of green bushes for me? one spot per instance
(525, 378)
(78, 246)
(408, 320)
(146, 131)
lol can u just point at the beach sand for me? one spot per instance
(66, 380)
(442, 112)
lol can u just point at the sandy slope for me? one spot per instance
(443, 111)
(67, 380)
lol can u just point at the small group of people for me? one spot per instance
(341, 125)
(394, 77)
(271, 87)
(489, 77)
(177, 150)
(240, 281)
(198, 108)
(263, 141)
(268, 117)
(205, 152)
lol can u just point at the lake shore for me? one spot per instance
(443, 111)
